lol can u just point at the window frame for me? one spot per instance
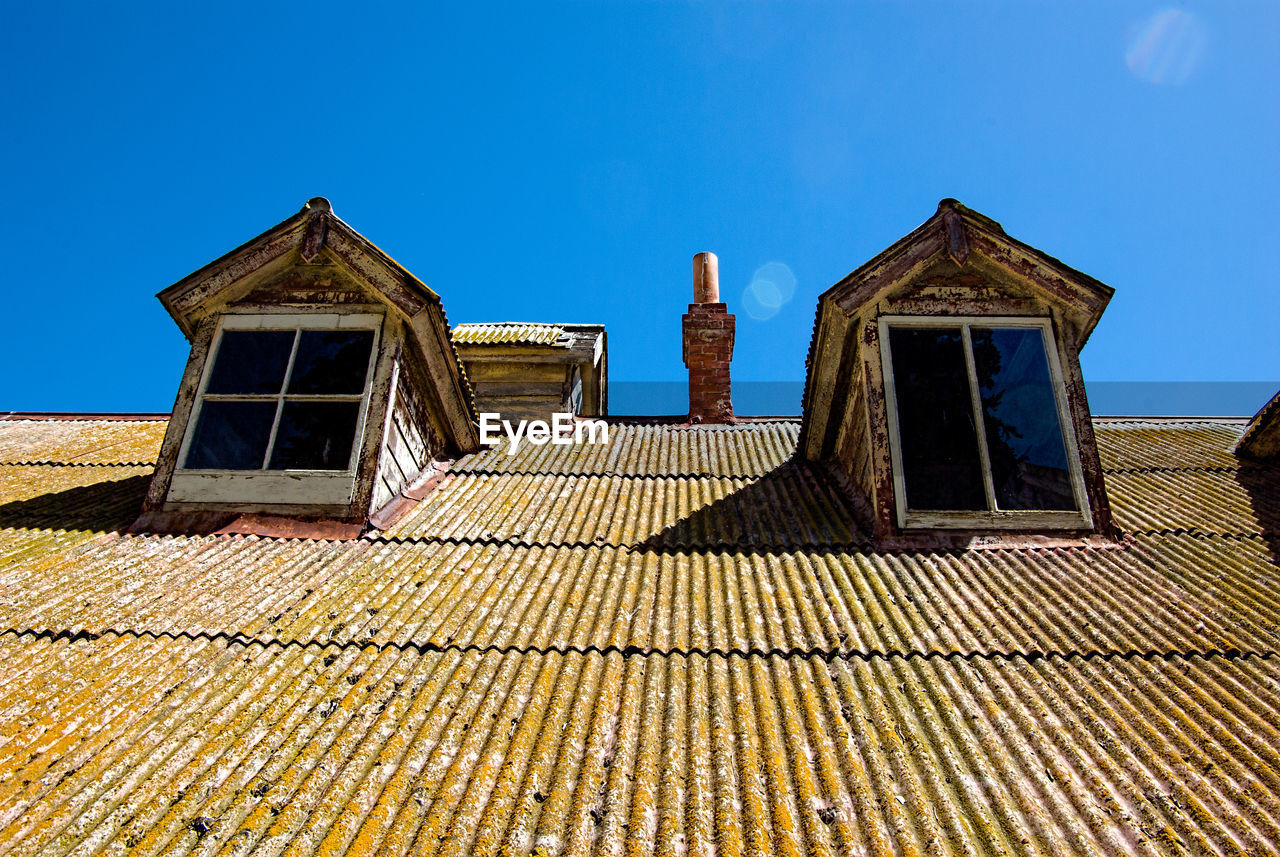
(993, 518)
(277, 487)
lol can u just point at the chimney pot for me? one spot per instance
(708, 345)
(706, 278)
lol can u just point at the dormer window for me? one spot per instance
(321, 396)
(978, 424)
(944, 391)
(283, 393)
(284, 398)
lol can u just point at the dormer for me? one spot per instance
(528, 371)
(944, 389)
(321, 386)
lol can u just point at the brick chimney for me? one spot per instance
(708, 345)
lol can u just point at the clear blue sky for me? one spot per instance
(556, 161)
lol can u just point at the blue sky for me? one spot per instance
(563, 162)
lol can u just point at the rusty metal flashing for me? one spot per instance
(231, 523)
(398, 507)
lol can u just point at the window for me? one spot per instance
(979, 433)
(282, 403)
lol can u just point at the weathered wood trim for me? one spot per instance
(175, 432)
(881, 495)
(442, 368)
(929, 306)
(590, 390)
(864, 286)
(957, 241)
(347, 317)
(313, 240)
(323, 233)
(185, 298)
(378, 407)
(983, 236)
(837, 404)
(824, 378)
(1081, 293)
(526, 353)
(1081, 421)
(262, 487)
(401, 289)
(1022, 520)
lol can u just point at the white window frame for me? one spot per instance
(994, 518)
(276, 487)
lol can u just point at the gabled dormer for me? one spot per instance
(944, 388)
(530, 371)
(321, 386)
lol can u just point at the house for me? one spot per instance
(945, 610)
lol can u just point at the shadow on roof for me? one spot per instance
(1262, 483)
(794, 506)
(105, 507)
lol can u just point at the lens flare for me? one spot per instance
(771, 286)
(1166, 48)
(762, 300)
(780, 275)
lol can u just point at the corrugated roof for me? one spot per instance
(508, 333)
(81, 442)
(672, 646)
(740, 451)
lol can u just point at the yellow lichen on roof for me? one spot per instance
(507, 333)
(81, 441)
(676, 644)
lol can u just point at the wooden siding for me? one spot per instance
(520, 391)
(411, 440)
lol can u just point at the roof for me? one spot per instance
(671, 645)
(508, 333)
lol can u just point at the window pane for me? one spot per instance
(315, 436)
(231, 436)
(251, 361)
(331, 361)
(940, 462)
(1024, 434)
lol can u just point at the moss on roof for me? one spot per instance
(526, 666)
